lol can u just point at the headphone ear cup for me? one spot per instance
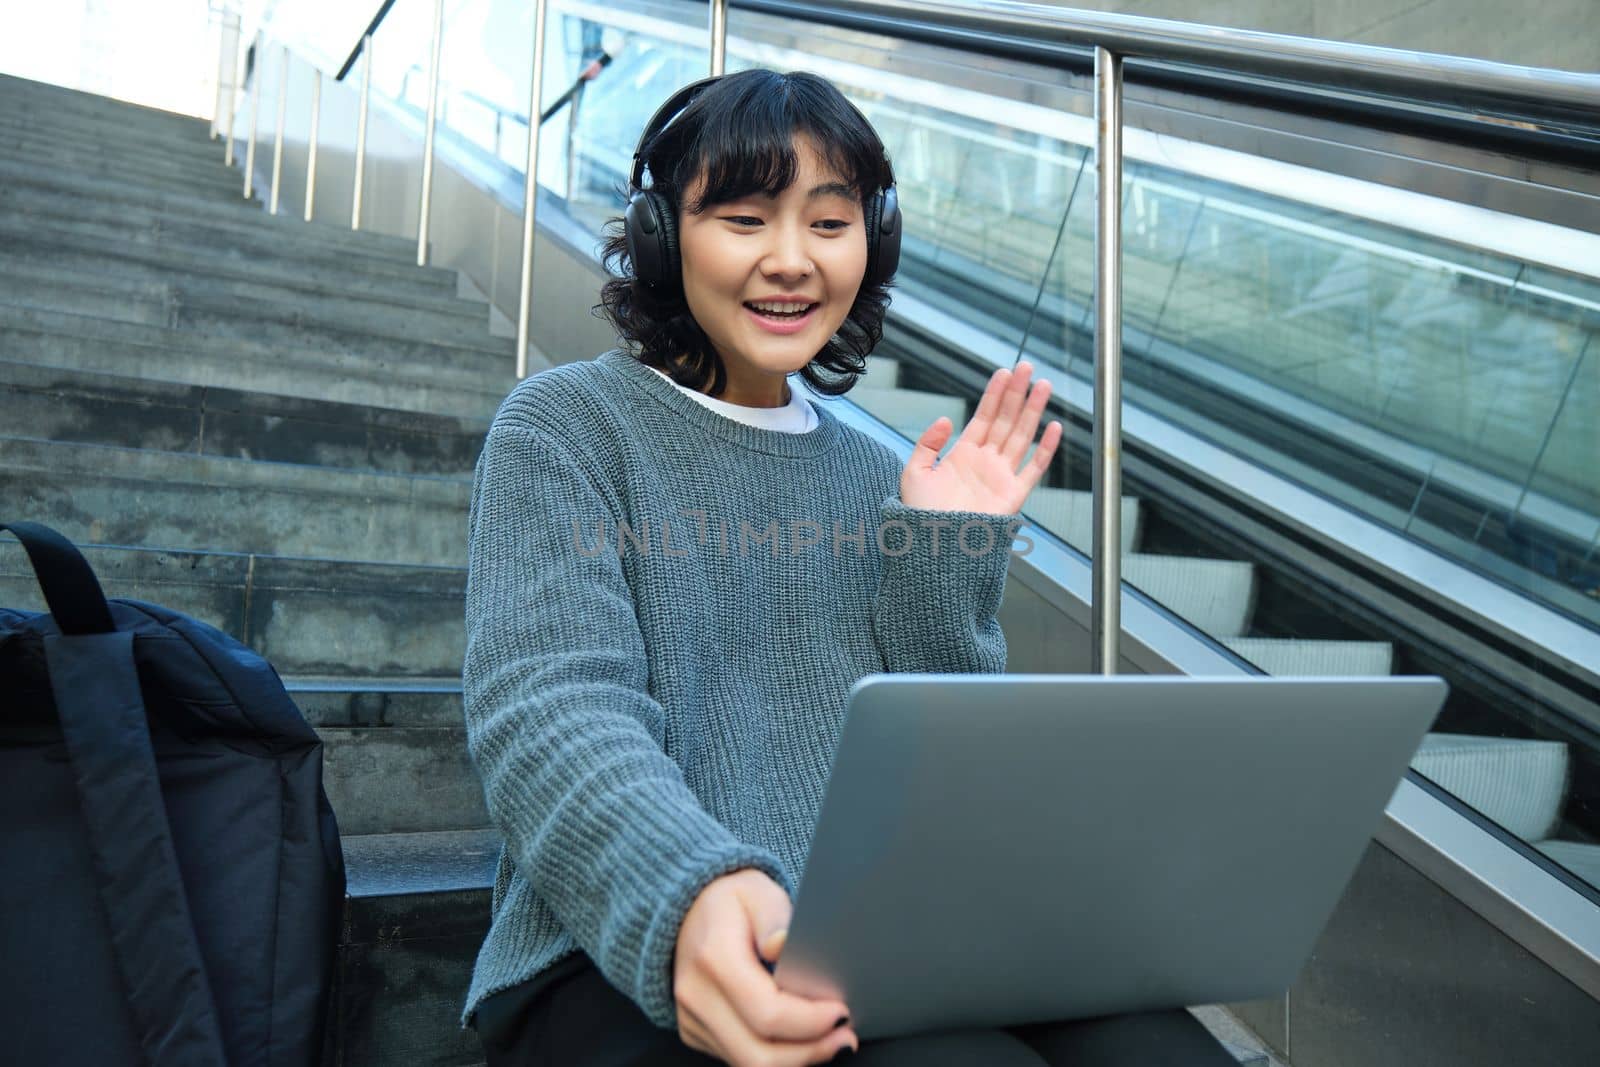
(651, 231)
(871, 212)
(883, 235)
(671, 264)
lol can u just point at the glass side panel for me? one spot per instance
(1445, 392)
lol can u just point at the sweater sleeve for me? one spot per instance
(944, 574)
(564, 733)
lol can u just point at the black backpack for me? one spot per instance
(170, 870)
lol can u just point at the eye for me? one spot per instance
(742, 220)
(834, 225)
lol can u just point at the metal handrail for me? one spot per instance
(1012, 30)
(500, 111)
(365, 40)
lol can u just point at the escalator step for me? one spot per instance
(1517, 782)
(1069, 514)
(1294, 657)
(1214, 595)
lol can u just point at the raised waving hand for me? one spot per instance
(985, 471)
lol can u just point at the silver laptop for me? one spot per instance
(1003, 849)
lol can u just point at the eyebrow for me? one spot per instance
(832, 189)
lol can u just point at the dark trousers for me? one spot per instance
(572, 1017)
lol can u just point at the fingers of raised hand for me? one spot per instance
(1026, 422)
(1008, 409)
(1039, 462)
(977, 429)
(1011, 402)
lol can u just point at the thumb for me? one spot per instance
(929, 444)
(771, 946)
(769, 911)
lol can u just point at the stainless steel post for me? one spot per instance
(530, 195)
(361, 131)
(427, 138)
(277, 144)
(311, 157)
(222, 72)
(232, 38)
(255, 125)
(1106, 595)
(719, 36)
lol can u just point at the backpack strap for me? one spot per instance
(103, 721)
(71, 590)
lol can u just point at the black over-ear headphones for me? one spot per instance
(650, 222)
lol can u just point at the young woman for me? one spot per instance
(678, 568)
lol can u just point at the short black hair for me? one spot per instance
(739, 132)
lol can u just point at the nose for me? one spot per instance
(786, 256)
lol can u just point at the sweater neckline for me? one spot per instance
(813, 442)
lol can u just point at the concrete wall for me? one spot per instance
(1555, 33)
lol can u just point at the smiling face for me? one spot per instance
(770, 279)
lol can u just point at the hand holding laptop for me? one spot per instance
(729, 1005)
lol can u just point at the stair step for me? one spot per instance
(241, 231)
(216, 181)
(79, 195)
(130, 120)
(401, 779)
(155, 253)
(98, 139)
(416, 912)
(130, 496)
(130, 186)
(133, 269)
(451, 384)
(1518, 783)
(1215, 596)
(395, 753)
(308, 616)
(18, 92)
(233, 308)
(28, 135)
(207, 311)
(192, 136)
(137, 270)
(104, 409)
(1296, 657)
(332, 701)
(1069, 514)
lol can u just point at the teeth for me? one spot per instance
(782, 309)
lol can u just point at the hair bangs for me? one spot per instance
(741, 141)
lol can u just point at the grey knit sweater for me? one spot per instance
(666, 609)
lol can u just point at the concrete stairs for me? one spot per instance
(269, 425)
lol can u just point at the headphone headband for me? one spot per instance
(661, 119)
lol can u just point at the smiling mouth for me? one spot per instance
(766, 311)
